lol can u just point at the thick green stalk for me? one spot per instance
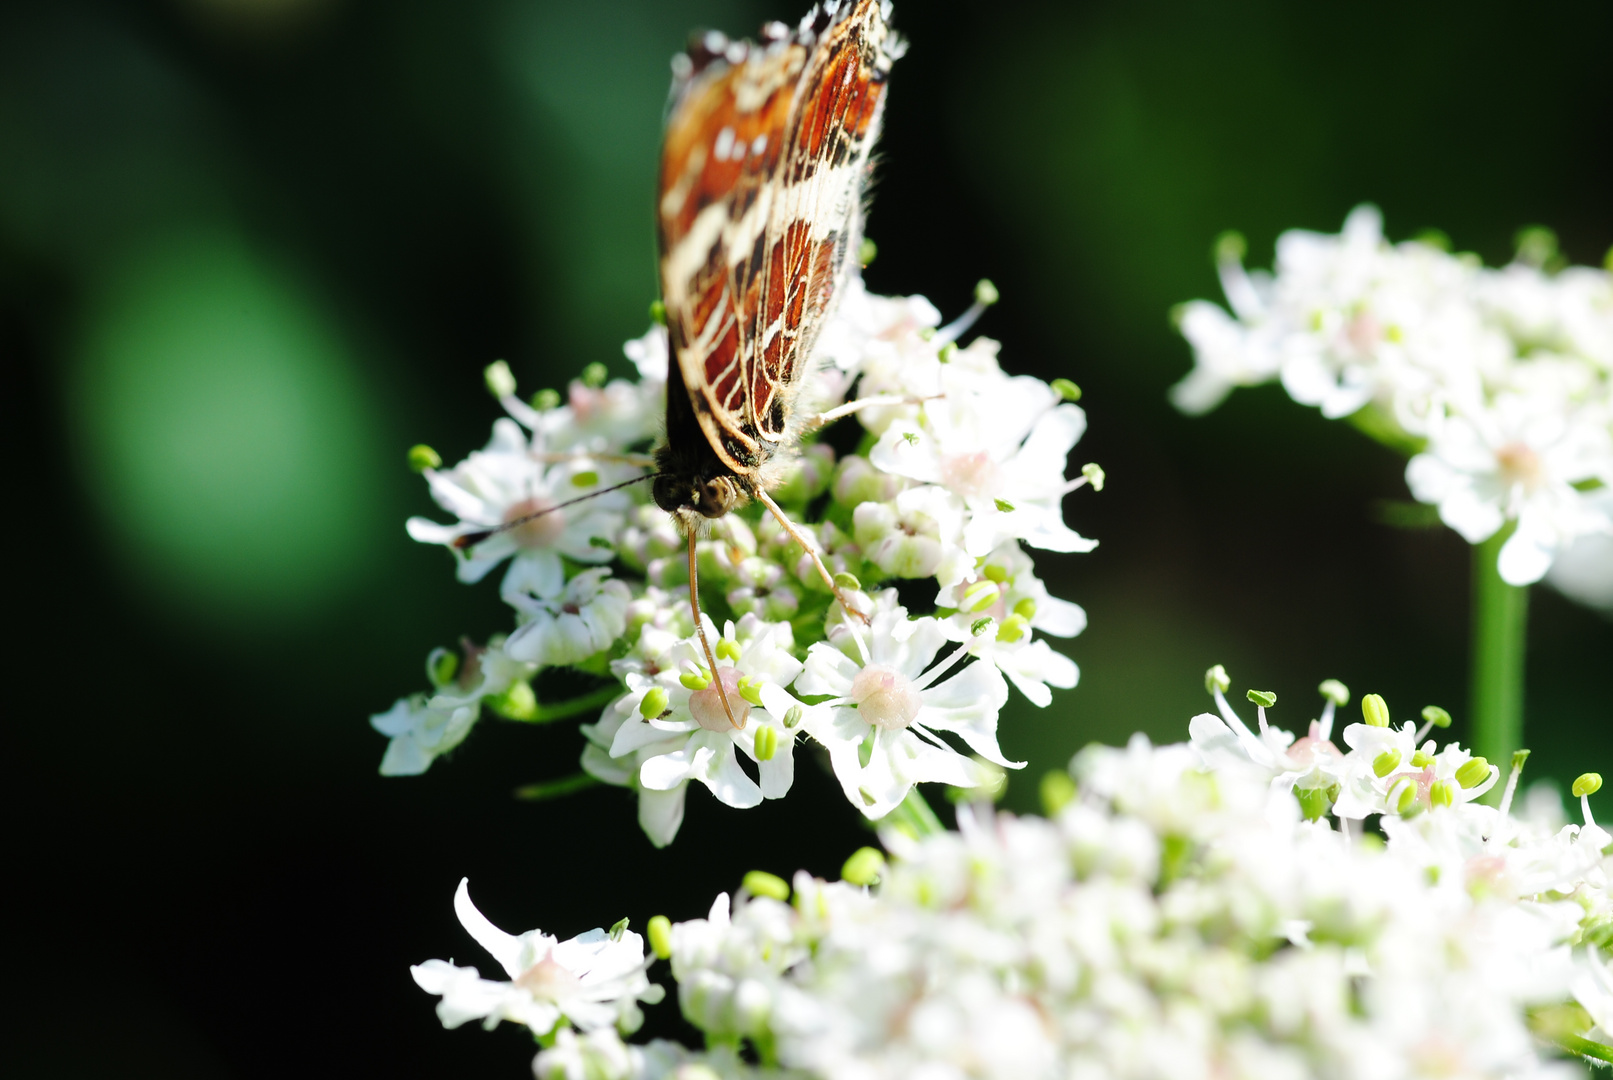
(914, 815)
(1500, 616)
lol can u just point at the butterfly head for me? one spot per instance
(711, 496)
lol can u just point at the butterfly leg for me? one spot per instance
(850, 407)
(811, 549)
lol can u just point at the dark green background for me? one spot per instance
(251, 251)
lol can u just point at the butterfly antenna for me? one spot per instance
(700, 628)
(471, 539)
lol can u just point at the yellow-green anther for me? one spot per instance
(1421, 759)
(694, 680)
(864, 867)
(594, 375)
(793, 717)
(546, 399)
(1536, 245)
(1230, 246)
(867, 251)
(618, 929)
(1474, 771)
(986, 293)
(1407, 798)
(1004, 505)
(766, 744)
(1587, 784)
(1334, 691)
(586, 478)
(659, 931)
(1026, 607)
(979, 596)
(518, 702)
(1437, 716)
(1519, 757)
(423, 457)
(1386, 763)
(761, 883)
(1057, 791)
(653, 703)
(1264, 698)
(500, 379)
(1442, 793)
(847, 582)
(727, 649)
(442, 666)
(1094, 474)
(1216, 679)
(1375, 711)
(1438, 239)
(980, 626)
(750, 689)
(1013, 629)
(948, 350)
(1066, 389)
(995, 573)
(912, 437)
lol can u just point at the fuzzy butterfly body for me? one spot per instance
(762, 174)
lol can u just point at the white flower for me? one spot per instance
(506, 482)
(423, 727)
(887, 704)
(592, 980)
(917, 534)
(588, 615)
(1583, 570)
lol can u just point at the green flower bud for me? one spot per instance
(1375, 711)
(586, 478)
(1057, 791)
(441, 666)
(986, 293)
(618, 928)
(1004, 505)
(766, 745)
(1013, 629)
(792, 718)
(1216, 679)
(864, 867)
(423, 457)
(594, 375)
(658, 312)
(653, 703)
(1387, 762)
(1433, 714)
(1474, 771)
(694, 680)
(1437, 239)
(750, 689)
(1230, 246)
(867, 252)
(994, 573)
(1421, 760)
(516, 703)
(659, 931)
(979, 596)
(847, 582)
(1066, 389)
(727, 649)
(1094, 474)
(546, 399)
(1026, 607)
(500, 379)
(1313, 802)
(761, 883)
(1334, 691)
(1442, 793)
(1587, 784)
(1537, 245)
(1264, 698)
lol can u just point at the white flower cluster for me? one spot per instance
(1182, 914)
(1499, 381)
(960, 466)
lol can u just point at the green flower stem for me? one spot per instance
(1500, 615)
(1596, 1051)
(564, 710)
(554, 789)
(913, 815)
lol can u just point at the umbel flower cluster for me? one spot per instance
(955, 468)
(1184, 911)
(1497, 382)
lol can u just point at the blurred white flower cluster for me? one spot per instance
(1498, 381)
(1180, 914)
(959, 467)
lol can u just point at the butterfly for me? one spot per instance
(763, 167)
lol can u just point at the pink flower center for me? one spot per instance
(1519, 464)
(972, 474)
(540, 532)
(706, 705)
(885, 697)
(548, 980)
